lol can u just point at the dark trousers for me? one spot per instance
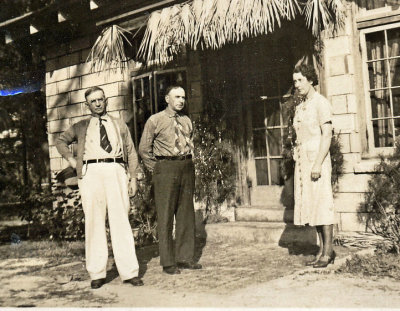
(173, 193)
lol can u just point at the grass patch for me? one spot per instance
(59, 251)
(377, 265)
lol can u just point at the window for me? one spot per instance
(381, 62)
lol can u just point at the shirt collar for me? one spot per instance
(170, 113)
(103, 117)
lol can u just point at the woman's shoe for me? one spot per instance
(314, 261)
(324, 261)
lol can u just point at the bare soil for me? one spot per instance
(47, 274)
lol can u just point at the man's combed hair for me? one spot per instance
(172, 87)
(92, 90)
(307, 71)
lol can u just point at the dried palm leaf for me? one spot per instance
(109, 50)
(213, 23)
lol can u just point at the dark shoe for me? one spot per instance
(97, 283)
(136, 281)
(324, 261)
(314, 261)
(189, 265)
(171, 270)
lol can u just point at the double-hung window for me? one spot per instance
(381, 67)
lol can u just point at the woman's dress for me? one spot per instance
(313, 199)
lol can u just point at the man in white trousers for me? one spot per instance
(106, 164)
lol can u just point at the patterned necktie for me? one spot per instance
(183, 143)
(104, 142)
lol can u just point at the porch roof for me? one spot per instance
(213, 23)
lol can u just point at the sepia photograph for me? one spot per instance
(200, 154)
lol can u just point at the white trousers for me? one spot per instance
(104, 188)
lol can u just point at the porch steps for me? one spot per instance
(261, 232)
(264, 213)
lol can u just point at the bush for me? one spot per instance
(382, 199)
(60, 212)
(214, 162)
(290, 141)
(143, 213)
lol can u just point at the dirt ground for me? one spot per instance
(256, 275)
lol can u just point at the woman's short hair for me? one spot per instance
(92, 90)
(307, 71)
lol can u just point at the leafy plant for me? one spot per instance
(290, 141)
(214, 162)
(382, 199)
(143, 213)
(60, 212)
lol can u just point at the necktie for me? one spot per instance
(183, 143)
(104, 142)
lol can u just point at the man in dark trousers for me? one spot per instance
(166, 148)
(104, 149)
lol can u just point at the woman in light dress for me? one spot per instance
(313, 190)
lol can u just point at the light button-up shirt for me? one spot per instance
(93, 150)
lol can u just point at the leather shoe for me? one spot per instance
(97, 283)
(136, 281)
(171, 270)
(189, 265)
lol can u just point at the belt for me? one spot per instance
(105, 160)
(173, 158)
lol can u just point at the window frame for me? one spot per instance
(372, 150)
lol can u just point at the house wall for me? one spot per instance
(344, 89)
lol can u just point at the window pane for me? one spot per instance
(396, 102)
(272, 112)
(259, 144)
(375, 45)
(396, 128)
(138, 88)
(395, 71)
(262, 172)
(274, 142)
(377, 74)
(383, 133)
(257, 112)
(380, 104)
(393, 36)
(276, 175)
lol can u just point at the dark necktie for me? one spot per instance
(104, 142)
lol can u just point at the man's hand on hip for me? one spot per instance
(132, 187)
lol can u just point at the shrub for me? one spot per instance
(214, 162)
(382, 199)
(60, 212)
(290, 142)
(143, 213)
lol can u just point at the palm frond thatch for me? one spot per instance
(108, 51)
(213, 23)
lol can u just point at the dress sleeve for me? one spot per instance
(324, 111)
